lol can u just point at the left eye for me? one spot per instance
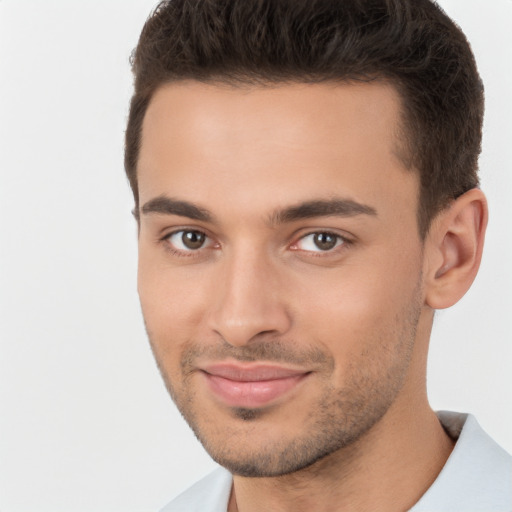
(319, 242)
(188, 240)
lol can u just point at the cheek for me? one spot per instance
(172, 301)
(360, 309)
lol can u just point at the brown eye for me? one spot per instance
(325, 241)
(321, 241)
(193, 239)
(188, 240)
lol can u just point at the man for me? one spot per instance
(304, 175)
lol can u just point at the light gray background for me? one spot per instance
(85, 422)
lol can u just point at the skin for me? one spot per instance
(356, 432)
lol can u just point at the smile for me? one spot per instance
(251, 386)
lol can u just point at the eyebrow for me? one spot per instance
(169, 206)
(306, 210)
(322, 208)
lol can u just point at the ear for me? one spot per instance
(453, 249)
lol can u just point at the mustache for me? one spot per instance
(275, 351)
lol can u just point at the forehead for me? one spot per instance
(205, 141)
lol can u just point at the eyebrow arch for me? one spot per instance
(309, 209)
(169, 206)
(322, 208)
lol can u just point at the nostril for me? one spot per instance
(244, 329)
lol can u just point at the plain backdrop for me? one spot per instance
(85, 422)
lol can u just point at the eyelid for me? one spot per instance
(168, 231)
(186, 252)
(342, 242)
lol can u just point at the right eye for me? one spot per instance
(188, 240)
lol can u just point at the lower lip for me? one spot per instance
(251, 394)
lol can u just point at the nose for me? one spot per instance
(250, 302)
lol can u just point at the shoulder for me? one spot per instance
(477, 476)
(210, 494)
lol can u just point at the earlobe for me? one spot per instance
(454, 246)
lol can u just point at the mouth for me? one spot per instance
(251, 385)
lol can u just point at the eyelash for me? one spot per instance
(341, 243)
(165, 240)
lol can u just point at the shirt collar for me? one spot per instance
(477, 476)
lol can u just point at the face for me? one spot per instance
(279, 265)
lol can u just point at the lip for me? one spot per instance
(253, 385)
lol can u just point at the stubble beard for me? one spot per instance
(340, 418)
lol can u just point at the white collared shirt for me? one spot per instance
(477, 477)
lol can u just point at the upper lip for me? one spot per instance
(252, 372)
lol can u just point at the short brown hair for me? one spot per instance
(411, 43)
